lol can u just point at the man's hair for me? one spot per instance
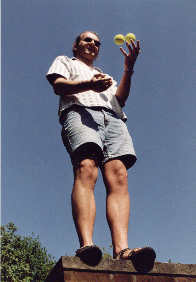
(77, 41)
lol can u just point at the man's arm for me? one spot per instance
(123, 89)
(64, 87)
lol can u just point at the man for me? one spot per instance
(95, 135)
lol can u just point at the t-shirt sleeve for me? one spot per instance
(60, 67)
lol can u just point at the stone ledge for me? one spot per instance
(73, 269)
(123, 266)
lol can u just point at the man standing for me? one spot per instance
(95, 135)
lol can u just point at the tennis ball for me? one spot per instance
(119, 39)
(130, 36)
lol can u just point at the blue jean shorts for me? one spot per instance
(97, 132)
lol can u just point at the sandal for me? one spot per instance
(90, 255)
(142, 258)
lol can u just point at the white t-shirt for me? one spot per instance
(74, 69)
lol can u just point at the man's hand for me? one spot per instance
(131, 57)
(100, 82)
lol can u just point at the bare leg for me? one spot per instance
(118, 204)
(83, 202)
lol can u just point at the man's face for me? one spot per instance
(88, 47)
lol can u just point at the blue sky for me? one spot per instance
(36, 170)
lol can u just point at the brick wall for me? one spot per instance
(71, 269)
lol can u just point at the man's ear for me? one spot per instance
(75, 47)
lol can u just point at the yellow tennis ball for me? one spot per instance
(119, 39)
(130, 36)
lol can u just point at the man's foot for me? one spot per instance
(142, 258)
(90, 255)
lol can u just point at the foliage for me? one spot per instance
(23, 258)
(106, 254)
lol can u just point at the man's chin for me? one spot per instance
(89, 52)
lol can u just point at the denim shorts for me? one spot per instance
(96, 132)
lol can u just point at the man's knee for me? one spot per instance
(86, 170)
(120, 175)
(116, 175)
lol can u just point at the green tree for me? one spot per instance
(106, 253)
(23, 258)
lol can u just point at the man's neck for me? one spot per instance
(89, 63)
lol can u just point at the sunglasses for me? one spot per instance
(88, 39)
